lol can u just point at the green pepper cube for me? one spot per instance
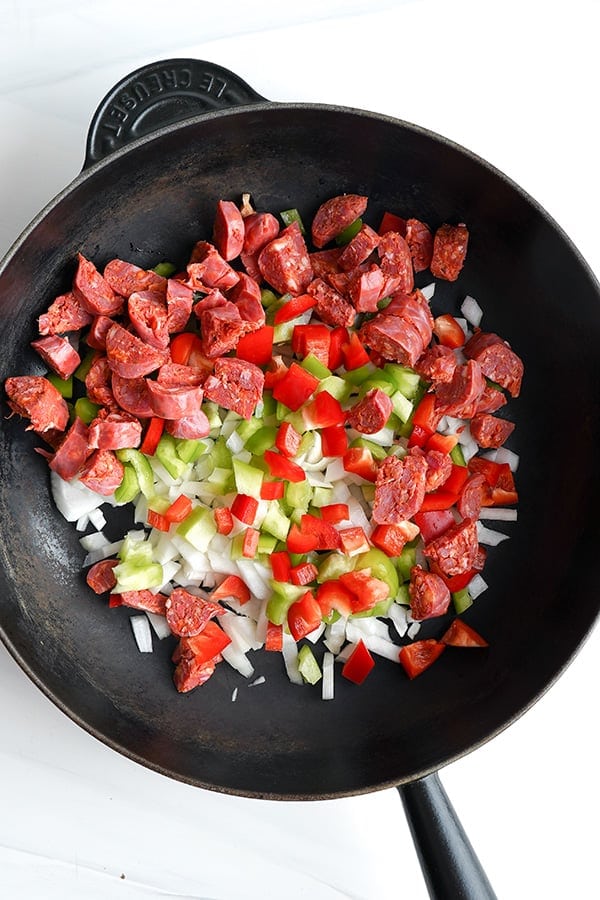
(402, 406)
(86, 410)
(143, 469)
(166, 269)
(129, 487)
(462, 600)
(198, 528)
(315, 366)
(276, 522)
(308, 665)
(350, 231)
(248, 479)
(405, 562)
(334, 565)
(282, 597)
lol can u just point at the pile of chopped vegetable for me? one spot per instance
(310, 454)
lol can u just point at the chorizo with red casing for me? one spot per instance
(129, 356)
(35, 398)
(449, 251)
(334, 215)
(58, 354)
(93, 291)
(228, 232)
(371, 413)
(429, 595)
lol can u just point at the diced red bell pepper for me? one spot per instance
(274, 372)
(297, 542)
(359, 461)
(425, 414)
(332, 595)
(338, 337)
(335, 512)
(250, 543)
(244, 508)
(157, 520)
(304, 615)
(354, 353)
(288, 440)
(303, 573)
(353, 540)
(293, 308)
(442, 442)
(209, 643)
(231, 586)
(392, 222)
(295, 387)
(327, 537)
(455, 582)
(256, 347)
(312, 340)
(459, 634)
(223, 520)
(152, 436)
(281, 565)
(334, 440)
(324, 411)
(368, 591)
(500, 479)
(389, 538)
(448, 331)
(418, 656)
(455, 481)
(432, 524)
(114, 600)
(359, 664)
(179, 509)
(281, 467)
(274, 638)
(272, 490)
(419, 436)
(181, 346)
(441, 499)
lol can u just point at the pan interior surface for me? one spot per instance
(153, 203)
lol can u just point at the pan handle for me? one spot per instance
(158, 94)
(450, 866)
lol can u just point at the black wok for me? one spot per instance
(151, 197)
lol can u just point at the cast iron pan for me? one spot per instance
(147, 193)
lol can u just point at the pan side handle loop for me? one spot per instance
(158, 94)
(450, 866)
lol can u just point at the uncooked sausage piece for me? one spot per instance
(236, 385)
(148, 315)
(126, 278)
(395, 260)
(333, 216)
(284, 262)
(371, 413)
(437, 365)
(34, 397)
(190, 672)
(207, 269)
(366, 287)
(490, 431)
(101, 577)
(221, 328)
(72, 452)
(93, 291)
(460, 396)
(57, 353)
(358, 249)
(454, 551)
(259, 229)
(439, 468)
(129, 356)
(491, 400)
(96, 337)
(429, 595)
(449, 251)
(330, 306)
(472, 491)
(187, 614)
(247, 297)
(103, 472)
(146, 600)
(114, 431)
(189, 427)
(498, 361)
(65, 313)
(415, 308)
(420, 243)
(399, 489)
(132, 395)
(395, 338)
(170, 401)
(98, 382)
(179, 299)
(228, 233)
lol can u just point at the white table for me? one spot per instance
(80, 822)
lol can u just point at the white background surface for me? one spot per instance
(515, 82)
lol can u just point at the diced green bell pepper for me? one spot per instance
(462, 600)
(405, 562)
(166, 269)
(143, 469)
(457, 456)
(198, 528)
(129, 487)
(276, 522)
(64, 386)
(292, 215)
(345, 236)
(262, 439)
(166, 454)
(308, 665)
(334, 565)
(315, 366)
(248, 479)
(86, 410)
(381, 567)
(282, 597)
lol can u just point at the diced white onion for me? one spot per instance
(369, 625)
(93, 541)
(241, 630)
(413, 630)
(170, 570)
(382, 647)
(234, 694)
(327, 688)
(397, 614)
(290, 658)
(260, 680)
(384, 437)
(504, 455)
(72, 498)
(472, 311)
(256, 577)
(314, 636)
(317, 479)
(500, 513)
(428, 291)
(335, 635)
(345, 653)
(488, 536)
(142, 633)
(476, 586)
(159, 624)
(97, 519)
(82, 522)
(103, 552)
(234, 442)
(238, 661)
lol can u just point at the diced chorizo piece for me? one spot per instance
(395, 338)
(213, 300)
(101, 577)
(491, 400)
(129, 356)
(498, 361)
(490, 431)
(102, 473)
(98, 382)
(439, 468)
(114, 431)
(174, 401)
(472, 491)
(454, 551)
(334, 215)
(179, 299)
(326, 262)
(96, 336)
(35, 398)
(148, 315)
(132, 395)
(57, 353)
(284, 262)
(460, 396)
(208, 269)
(429, 595)
(247, 297)
(221, 328)
(65, 313)
(259, 229)
(399, 489)
(339, 281)
(415, 308)
(189, 427)
(437, 365)
(228, 232)
(178, 375)
(250, 264)
(365, 288)
(126, 278)
(359, 248)
(145, 600)
(191, 672)
(331, 307)
(72, 452)
(236, 385)
(395, 259)
(449, 251)
(420, 243)
(371, 413)
(188, 614)
(93, 291)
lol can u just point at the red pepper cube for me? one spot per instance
(426, 415)
(335, 512)
(272, 490)
(432, 524)
(288, 440)
(442, 442)
(353, 540)
(339, 336)
(312, 340)
(250, 543)
(359, 664)
(323, 412)
(293, 308)
(389, 538)
(327, 537)
(280, 467)
(359, 461)
(455, 481)
(182, 346)
(303, 574)
(334, 440)
(256, 347)
(274, 638)
(304, 616)
(244, 508)
(232, 586)
(419, 436)
(157, 520)
(354, 353)
(368, 591)
(281, 565)
(295, 387)
(179, 509)
(332, 595)
(392, 222)
(448, 331)
(419, 655)
(152, 437)
(297, 542)
(223, 520)
(438, 500)
(114, 600)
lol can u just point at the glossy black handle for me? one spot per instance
(158, 94)
(450, 866)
